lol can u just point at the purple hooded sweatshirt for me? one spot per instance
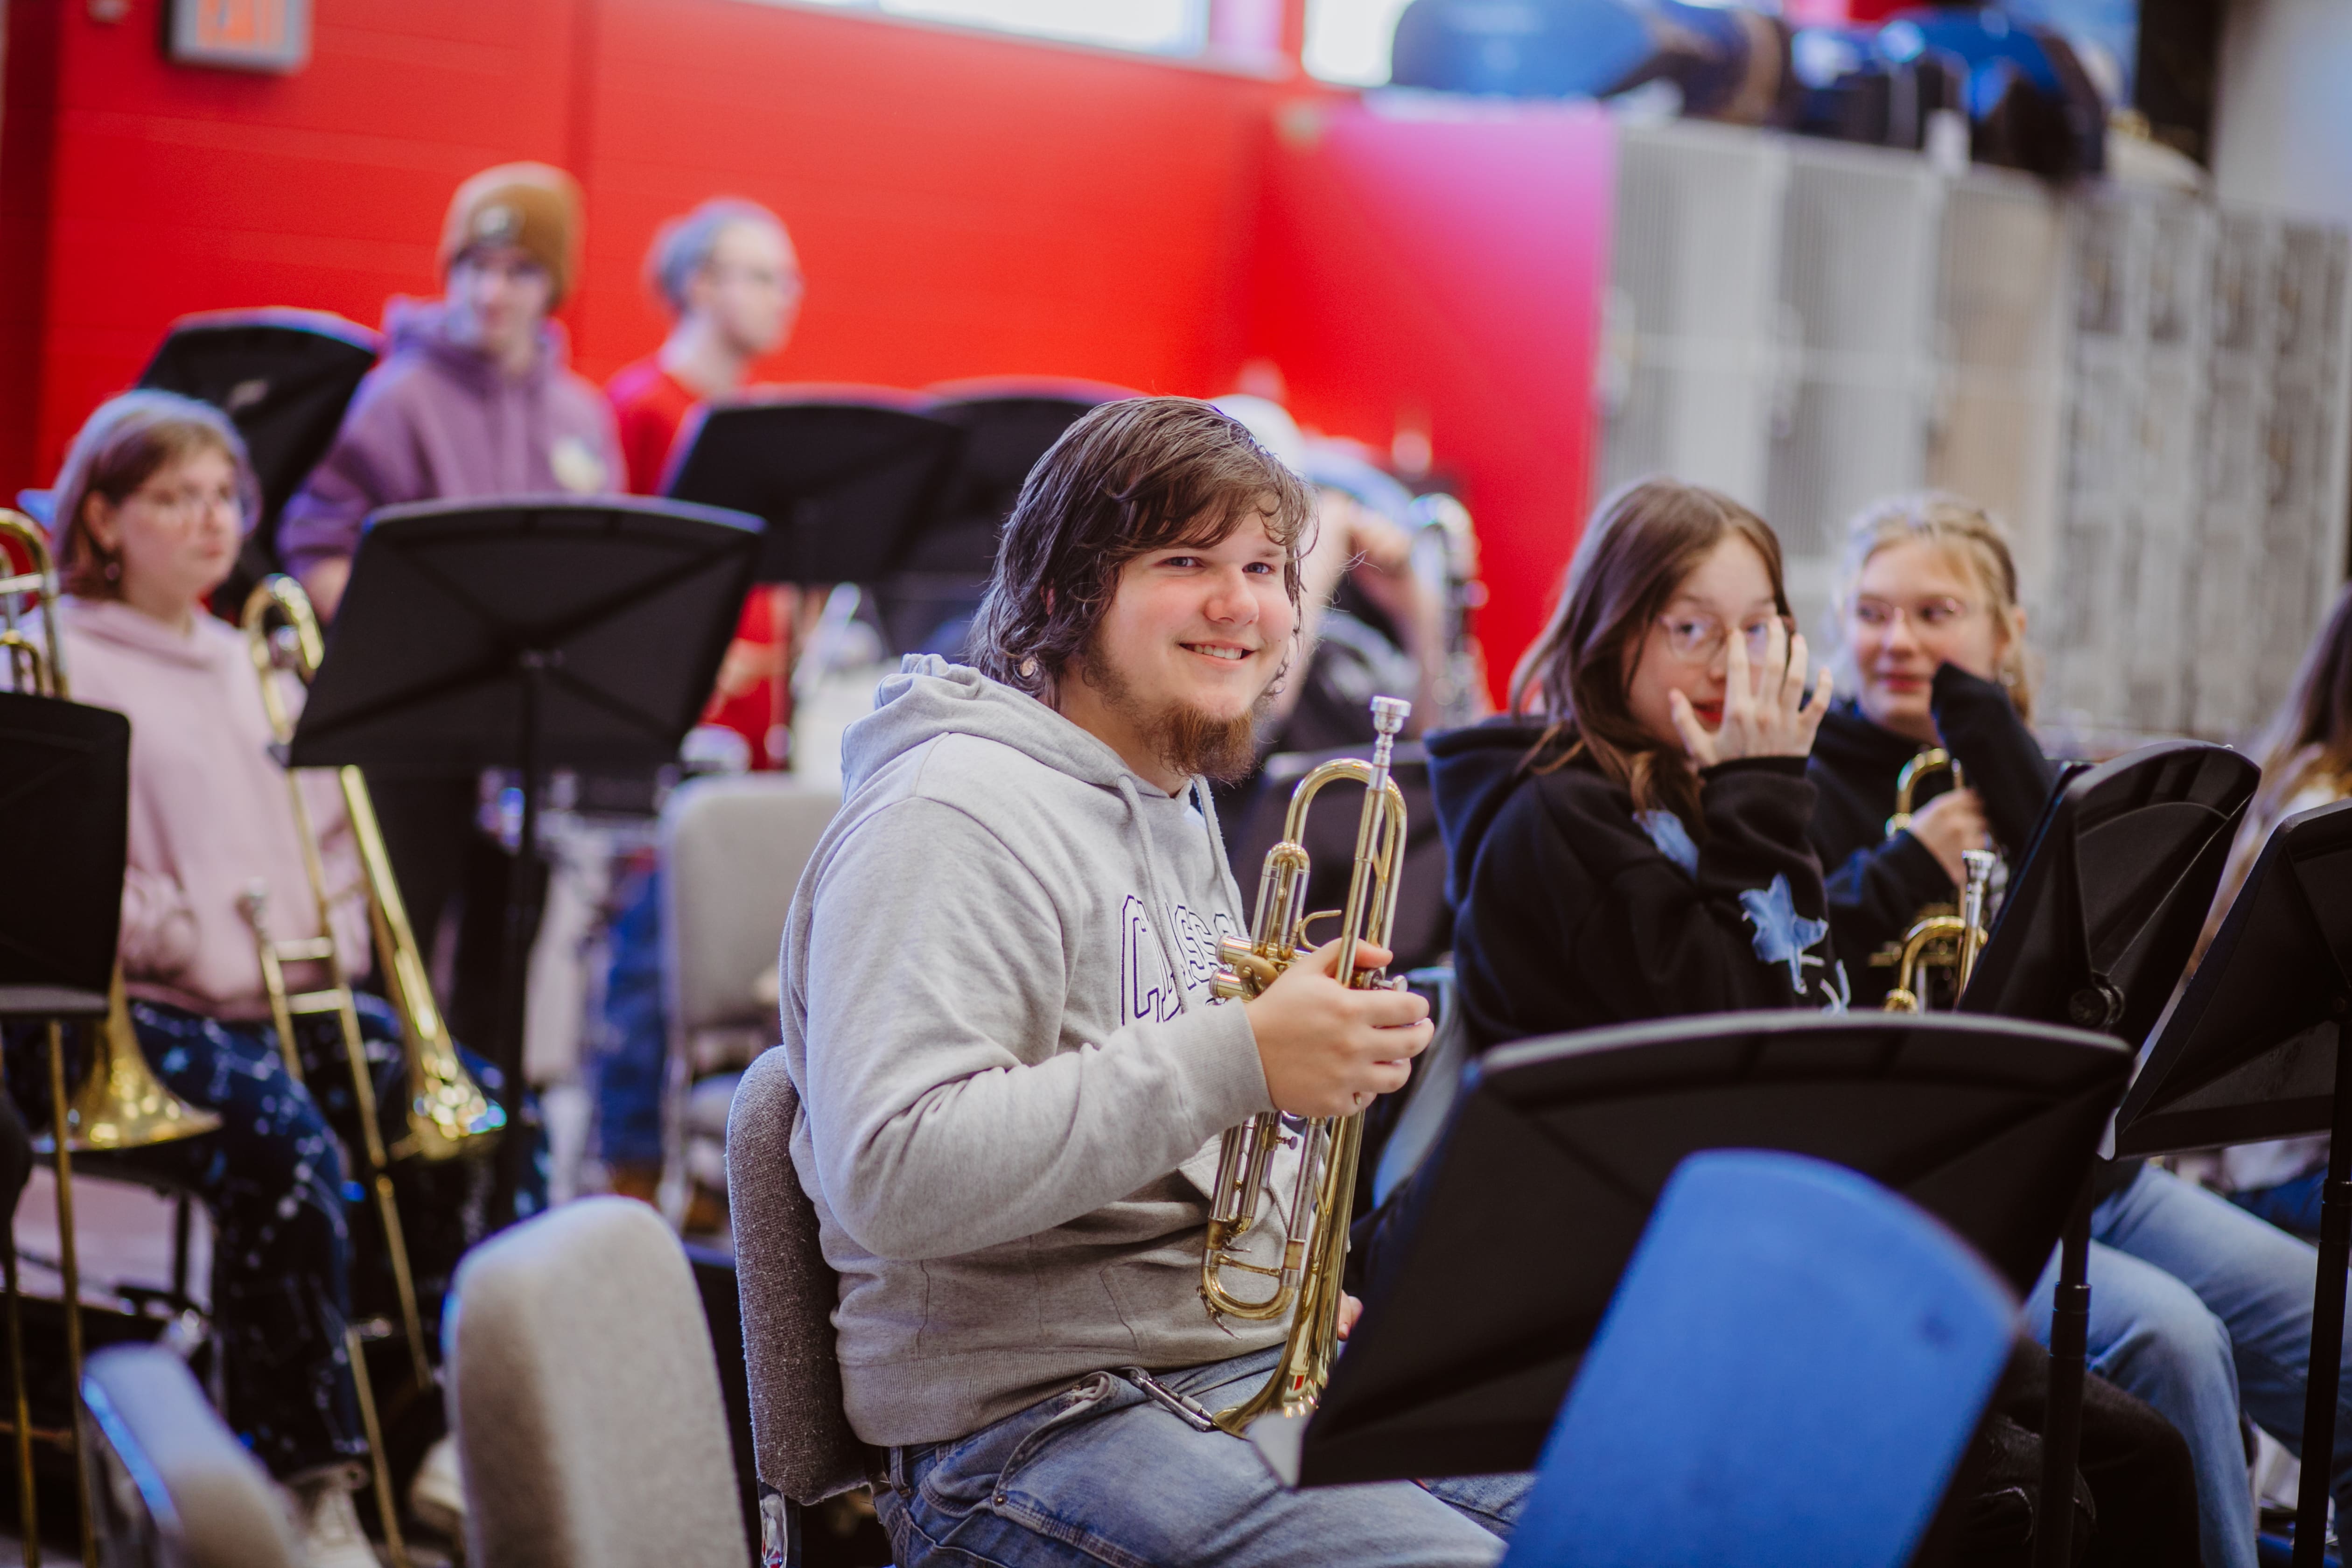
(436, 421)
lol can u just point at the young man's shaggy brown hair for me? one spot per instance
(1143, 474)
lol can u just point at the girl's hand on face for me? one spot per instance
(1765, 713)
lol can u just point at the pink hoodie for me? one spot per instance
(209, 812)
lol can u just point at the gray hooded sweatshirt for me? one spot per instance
(996, 1009)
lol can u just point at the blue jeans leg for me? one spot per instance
(2292, 1206)
(1104, 1474)
(2150, 1336)
(2259, 1281)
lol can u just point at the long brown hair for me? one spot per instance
(1128, 478)
(2307, 740)
(1642, 542)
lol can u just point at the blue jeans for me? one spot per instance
(2202, 1310)
(1108, 1474)
(2292, 1205)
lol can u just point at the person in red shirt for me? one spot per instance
(727, 274)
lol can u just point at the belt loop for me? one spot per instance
(899, 1470)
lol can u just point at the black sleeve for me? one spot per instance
(2004, 760)
(1875, 894)
(1656, 942)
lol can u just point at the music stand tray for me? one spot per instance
(2256, 1047)
(1532, 1203)
(843, 481)
(531, 634)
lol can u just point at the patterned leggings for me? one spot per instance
(283, 1206)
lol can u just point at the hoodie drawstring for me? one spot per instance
(1206, 800)
(1163, 914)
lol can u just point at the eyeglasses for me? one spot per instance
(1926, 615)
(1697, 639)
(187, 505)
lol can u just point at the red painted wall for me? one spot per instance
(964, 205)
(1442, 272)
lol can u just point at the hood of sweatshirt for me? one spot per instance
(1471, 773)
(930, 696)
(422, 327)
(203, 645)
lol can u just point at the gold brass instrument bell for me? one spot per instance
(1307, 1280)
(1938, 939)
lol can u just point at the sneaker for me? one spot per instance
(329, 1525)
(436, 1497)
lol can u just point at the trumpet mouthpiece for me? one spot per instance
(1388, 714)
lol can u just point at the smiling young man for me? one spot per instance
(997, 1011)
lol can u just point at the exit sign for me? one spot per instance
(242, 35)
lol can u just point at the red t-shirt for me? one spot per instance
(649, 404)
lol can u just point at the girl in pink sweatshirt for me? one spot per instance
(153, 502)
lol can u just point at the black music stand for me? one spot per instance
(2098, 925)
(1529, 1207)
(2257, 1048)
(1007, 425)
(530, 634)
(284, 378)
(842, 480)
(64, 768)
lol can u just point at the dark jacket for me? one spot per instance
(1877, 885)
(1572, 913)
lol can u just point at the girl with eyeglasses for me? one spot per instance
(1934, 648)
(1628, 841)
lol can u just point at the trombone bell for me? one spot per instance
(121, 1104)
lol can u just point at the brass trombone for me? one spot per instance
(1307, 1280)
(120, 1104)
(447, 1109)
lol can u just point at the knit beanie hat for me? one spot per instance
(534, 207)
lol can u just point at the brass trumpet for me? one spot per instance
(445, 1108)
(1939, 940)
(1307, 1280)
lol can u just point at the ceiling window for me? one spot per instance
(1347, 40)
(1154, 27)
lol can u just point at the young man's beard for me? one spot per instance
(1222, 750)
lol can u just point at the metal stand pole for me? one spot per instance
(514, 979)
(2324, 1372)
(61, 1137)
(29, 1505)
(2061, 1414)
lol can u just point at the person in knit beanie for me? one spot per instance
(475, 398)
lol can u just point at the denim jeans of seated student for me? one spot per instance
(2201, 1308)
(2292, 1205)
(1108, 1474)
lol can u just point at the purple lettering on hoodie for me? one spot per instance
(436, 421)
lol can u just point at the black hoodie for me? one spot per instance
(1877, 885)
(1572, 914)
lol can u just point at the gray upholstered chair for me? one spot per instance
(731, 852)
(585, 1400)
(175, 1488)
(806, 1451)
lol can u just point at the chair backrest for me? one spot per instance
(732, 850)
(1789, 1372)
(806, 1448)
(585, 1401)
(177, 1488)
